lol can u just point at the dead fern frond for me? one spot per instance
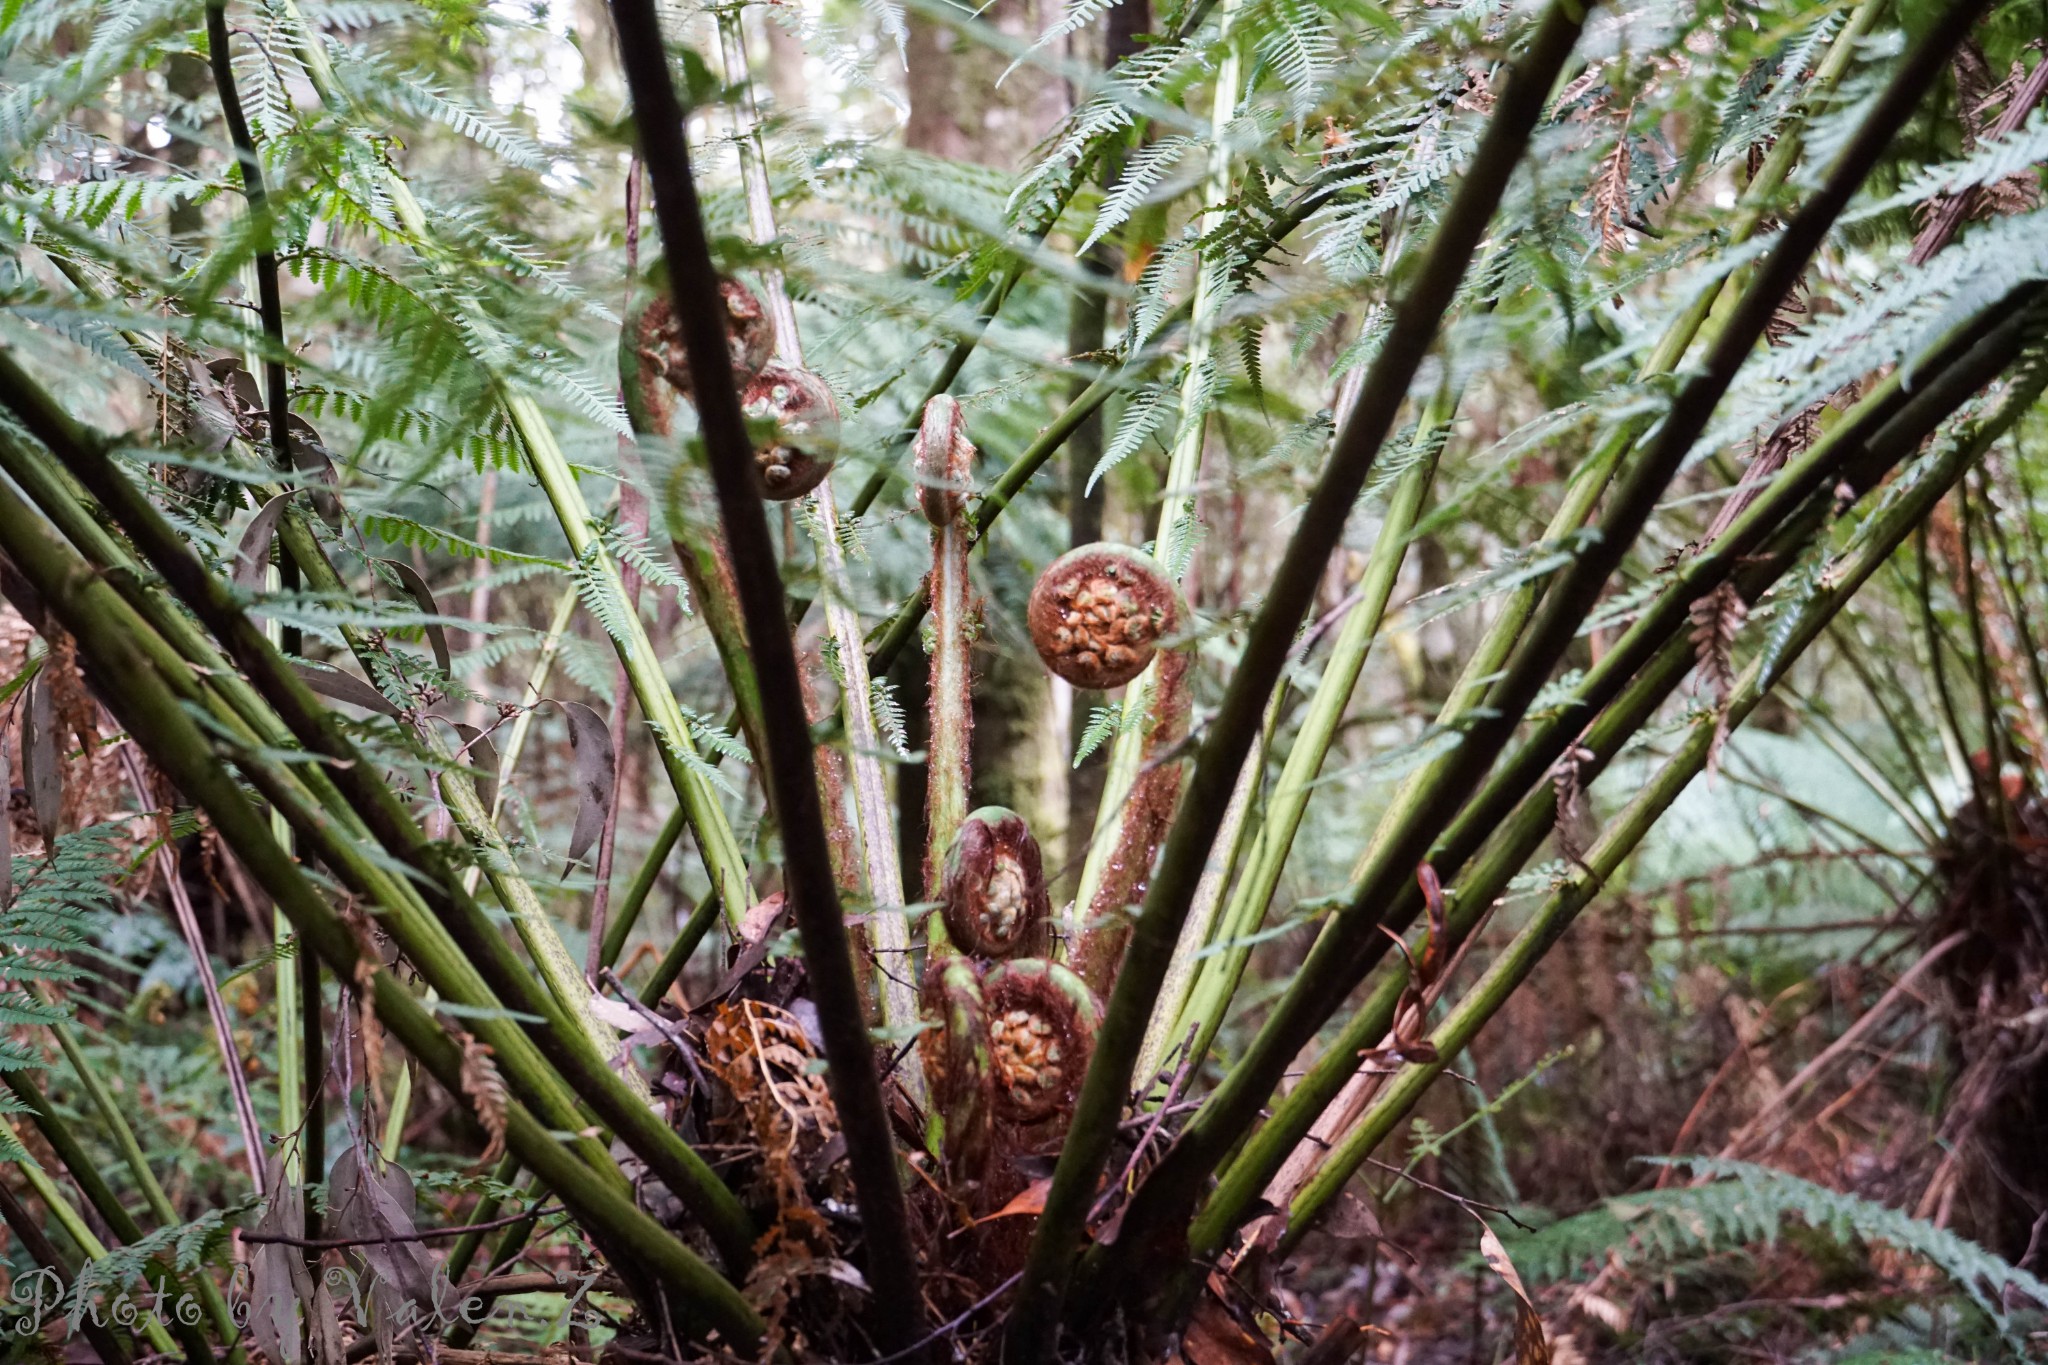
(485, 1090)
(1716, 620)
(1612, 195)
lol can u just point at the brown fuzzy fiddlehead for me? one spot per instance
(797, 456)
(958, 1066)
(993, 896)
(1099, 613)
(749, 334)
(945, 462)
(1042, 1020)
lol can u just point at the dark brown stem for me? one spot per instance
(791, 775)
(417, 1235)
(1949, 219)
(270, 303)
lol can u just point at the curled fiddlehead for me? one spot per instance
(993, 897)
(1042, 1020)
(797, 455)
(1098, 614)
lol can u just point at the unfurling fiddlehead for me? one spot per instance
(798, 455)
(658, 345)
(945, 464)
(1042, 1020)
(957, 1065)
(993, 895)
(1099, 613)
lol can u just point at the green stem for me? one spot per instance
(1034, 1325)
(1510, 832)
(147, 701)
(627, 913)
(425, 936)
(1217, 983)
(1334, 964)
(1550, 921)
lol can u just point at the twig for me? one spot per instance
(417, 1235)
(951, 1325)
(1788, 1096)
(1460, 1200)
(216, 1008)
(1950, 217)
(1181, 1072)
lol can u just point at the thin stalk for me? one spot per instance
(78, 1163)
(2012, 593)
(791, 775)
(620, 926)
(888, 928)
(216, 1011)
(1510, 836)
(633, 515)
(1550, 921)
(29, 1231)
(1830, 733)
(1125, 828)
(1333, 966)
(1949, 719)
(679, 952)
(1217, 983)
(1165, 1031)
(1034, 1325)
(1851, 653)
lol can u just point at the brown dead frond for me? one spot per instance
(1613, 195)
(485, 1090)
(1716, 620)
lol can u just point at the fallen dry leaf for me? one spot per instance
(1030, 1199)
(1214, 1337)
(1530, 1346)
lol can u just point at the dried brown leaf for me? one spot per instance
(41, 768)
(1613, 195)
(1716, 620)
(1214, 1337)
(252, 552)
(1531, 1347)
(590, 739)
